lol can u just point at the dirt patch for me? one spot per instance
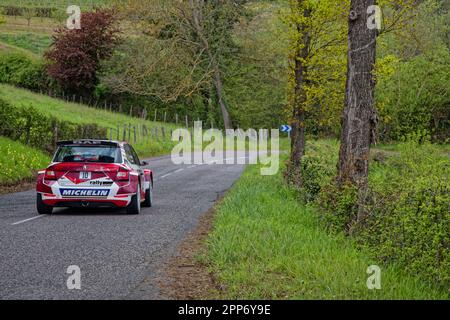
(23, 185)
(186, 276)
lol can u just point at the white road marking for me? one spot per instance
(166, 175)
(26, 220)
(178, 170)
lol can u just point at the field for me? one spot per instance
(33, 42)
(265, 244)
(78, 113)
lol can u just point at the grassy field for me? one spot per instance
(33, 42)
(267, 245)
(78, 113)
(18, 161)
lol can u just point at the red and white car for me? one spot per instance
(92, 174)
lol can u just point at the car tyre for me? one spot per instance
(42, 208)
(148, 197)
(135, 206)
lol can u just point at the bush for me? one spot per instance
(416, 98)
(407, 208)
(30, 127)
(318, 167)
(408, 211)
(19, 70)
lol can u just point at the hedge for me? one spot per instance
(31, 127)
(407, 204)
(20, 70)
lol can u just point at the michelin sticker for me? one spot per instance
(84, 192)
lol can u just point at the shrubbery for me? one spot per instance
(30, 127)
(22, 71)
(407, 206)
(416, 97)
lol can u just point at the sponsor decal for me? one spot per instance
(100, 183)
(84, 192)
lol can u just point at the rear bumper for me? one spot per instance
(86, 203)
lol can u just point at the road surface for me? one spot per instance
(119, 255)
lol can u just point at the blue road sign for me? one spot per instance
(286, 128)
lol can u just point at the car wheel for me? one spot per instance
(135, 206)
(42, 208)
(148, 197)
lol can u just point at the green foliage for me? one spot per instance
(412, 92)
(255, 79)
(22, 71)
(324, 24)
(408, 211)
(33, 128)
(416, 97)
(36, 43)
(266, 245)
(407, 215)
(317, 168)
(19, 162)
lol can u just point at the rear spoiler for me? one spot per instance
(87, 142)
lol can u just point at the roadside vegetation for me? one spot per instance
(80, 114)
(19, 162)
(267, 243)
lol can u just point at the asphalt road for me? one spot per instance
(120, 256)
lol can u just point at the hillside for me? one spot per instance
(20, 162)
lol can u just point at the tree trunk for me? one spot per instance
(300, 73)
(359, 115)
(217, 79)
(219, 92)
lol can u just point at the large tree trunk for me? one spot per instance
(298, 116)
(359, 116)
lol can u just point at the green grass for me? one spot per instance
(267, 245)
(18, 161)
(34, 42)
(78, 113)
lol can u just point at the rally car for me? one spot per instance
(92, 174)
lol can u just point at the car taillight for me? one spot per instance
(123, 175)
(50, 175)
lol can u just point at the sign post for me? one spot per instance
(286, 128)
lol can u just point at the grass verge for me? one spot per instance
(19, 162)
(266, 245)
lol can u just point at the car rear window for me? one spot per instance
(102, 154)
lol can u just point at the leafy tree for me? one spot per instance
(317, 64)
(75, 55)
(186, 43)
